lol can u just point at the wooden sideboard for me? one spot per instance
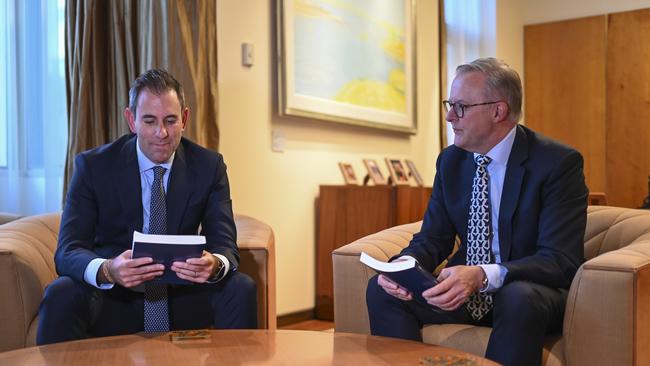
(347, 213)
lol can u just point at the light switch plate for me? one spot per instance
(247, 54)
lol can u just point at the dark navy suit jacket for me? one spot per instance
(104, 204)
(542, 215)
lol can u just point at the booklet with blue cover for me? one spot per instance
(408, 274)
(166, 249)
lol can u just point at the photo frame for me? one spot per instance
(374, 173)
(414, 173)
(348, 173)
(324, 51)
(397, 171)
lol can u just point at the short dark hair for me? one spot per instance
(156, 81)
(501, 80)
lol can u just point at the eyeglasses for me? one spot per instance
(459, 108)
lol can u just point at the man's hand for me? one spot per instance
(456, 284)
(196, 270)
(129, 272)
(394, 289)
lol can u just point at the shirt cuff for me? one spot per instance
(90, 274)
(495, 274)
(224, 271)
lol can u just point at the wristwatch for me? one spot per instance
(484, 284)
(217, 272)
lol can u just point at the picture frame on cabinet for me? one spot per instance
(348, 173)
(414, 173)
(397, 171)
(374, 173)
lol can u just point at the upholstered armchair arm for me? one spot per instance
(607, 319)
(351, 277)
(256, 244)
(26, 267)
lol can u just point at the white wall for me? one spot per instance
(280, 188)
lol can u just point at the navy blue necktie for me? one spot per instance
(156, 312)
(478, 234)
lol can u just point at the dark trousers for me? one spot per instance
(75, 310)
(523, 313)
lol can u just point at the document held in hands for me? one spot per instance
(408, 274)
(166, 249)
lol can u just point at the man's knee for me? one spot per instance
(64, 312)
(521, 298)
(65, 293)
(243, 285)
(373, 289)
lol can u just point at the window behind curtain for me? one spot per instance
(470, 26)
(33, 118)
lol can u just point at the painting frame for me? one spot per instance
(303, 105)
(349, 176)
(374, 173)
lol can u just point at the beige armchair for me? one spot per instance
(27, 266)
(607, 318)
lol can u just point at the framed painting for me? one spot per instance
(348, 61)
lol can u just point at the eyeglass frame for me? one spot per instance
(450, 105)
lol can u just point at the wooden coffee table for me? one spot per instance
(250, 347)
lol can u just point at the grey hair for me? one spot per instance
(501, 80)
(156, 81)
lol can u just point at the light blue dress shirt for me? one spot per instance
(497, 173)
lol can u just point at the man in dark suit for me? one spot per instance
(517, 201)
(154, 181)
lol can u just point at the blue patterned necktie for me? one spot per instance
(478, 234)
(156, 313)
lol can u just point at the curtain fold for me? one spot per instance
(110, 43)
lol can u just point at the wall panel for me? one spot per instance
(628, 107)
(565, 87)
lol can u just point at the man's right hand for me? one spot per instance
(129, 272)
(394, 289)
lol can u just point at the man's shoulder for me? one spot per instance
(194, 151)
(109, 150)
(452, 154)
(544, 147)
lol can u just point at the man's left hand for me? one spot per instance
(196, 270)
(457, 283)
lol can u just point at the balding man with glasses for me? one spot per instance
(517, 201)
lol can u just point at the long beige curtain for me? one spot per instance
(110, 43)
(442, 46)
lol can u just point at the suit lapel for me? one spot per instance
(129, 185)
(178, 190)
(514, 178)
